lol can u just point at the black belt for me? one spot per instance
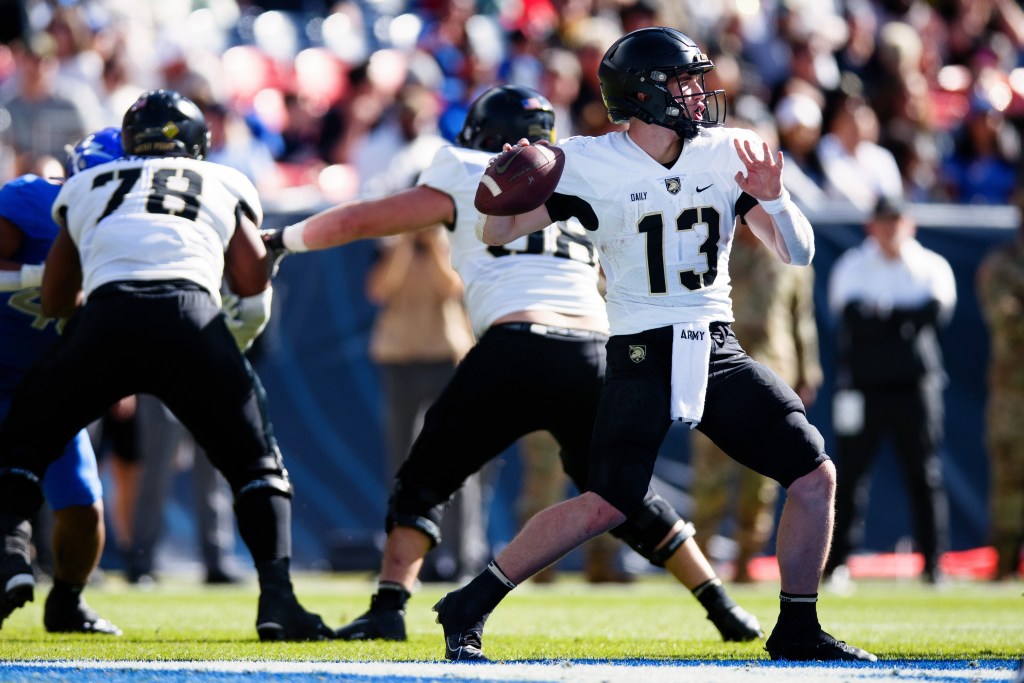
(551, 331)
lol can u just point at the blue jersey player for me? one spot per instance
(72, 483)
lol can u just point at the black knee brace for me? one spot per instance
(646, 529)
(21, 492)
(265, 475)
(416, 508)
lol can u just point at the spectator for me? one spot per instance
(43, 113)
(233, 144)
(890, 297)
(982, 168)
(1001, 294)
(798, 118)
(857, 169)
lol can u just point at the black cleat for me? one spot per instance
(74, 616)
(819, 646)
(375, 624)
(17, 580)
(18, 590)
(461, 643)
(281, 617)
(736, 624)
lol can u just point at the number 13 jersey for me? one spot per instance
(155, 218)
(663, 233)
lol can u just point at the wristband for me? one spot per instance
(778, 205)
(292, 237)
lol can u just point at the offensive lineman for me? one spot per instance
(145, 242)
(660, 202)
(538, 364)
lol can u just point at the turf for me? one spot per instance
(653, 619)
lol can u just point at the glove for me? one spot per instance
(273, 240)
(246, 316)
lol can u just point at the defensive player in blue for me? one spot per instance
(72, 482)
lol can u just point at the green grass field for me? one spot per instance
(653, 618)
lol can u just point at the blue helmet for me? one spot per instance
(95, 149)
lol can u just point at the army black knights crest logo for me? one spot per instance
(673, 185)
(637, 352)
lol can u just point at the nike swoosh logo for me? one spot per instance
(701, 189)
(501, 168)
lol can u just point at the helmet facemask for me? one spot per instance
(683, 113)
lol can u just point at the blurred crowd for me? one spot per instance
(313, 99)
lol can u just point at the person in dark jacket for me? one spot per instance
(890, 296)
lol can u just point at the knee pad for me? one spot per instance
(265, 475)
(416, 508)
(648, 527)
(21, 492)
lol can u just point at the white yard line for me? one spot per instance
(557, 672)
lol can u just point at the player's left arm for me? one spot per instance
(776, 220)
(61, 291)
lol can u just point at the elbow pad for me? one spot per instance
(247, 316)
(792, 224)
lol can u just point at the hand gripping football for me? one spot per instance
(519, 180)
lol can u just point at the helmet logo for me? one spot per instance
(673, 185)
(170, 130)
(637, 352)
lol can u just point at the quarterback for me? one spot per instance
(661, 202)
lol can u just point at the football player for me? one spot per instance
(661, 201)
(145, 242)
(71, 483)
(538, 365)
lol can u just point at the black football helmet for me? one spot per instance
(643, 61)
(507, 113)
(164, 123)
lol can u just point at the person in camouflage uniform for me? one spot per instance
(1000, 288)
(774, 310)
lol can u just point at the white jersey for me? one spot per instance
(155, 218)
(663, 234)
(554, 269)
